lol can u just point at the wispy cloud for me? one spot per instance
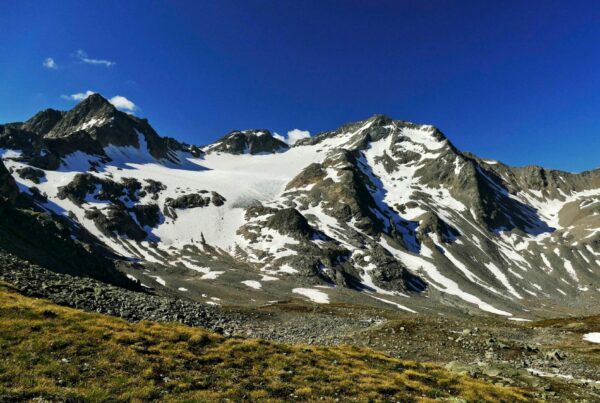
(120, 102)
(49, 63)
(79, 96)
(293, 136)
(84, 58)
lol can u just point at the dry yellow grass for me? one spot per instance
(60, 353)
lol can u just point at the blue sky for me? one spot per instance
(516, 81)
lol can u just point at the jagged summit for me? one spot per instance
(90, 115)
(90, 127)
(256, 141)
(95, 101)
(43, 122)
(364, 132)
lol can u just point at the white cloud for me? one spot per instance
(81, 55)
(49, 63)
(80, 96)
(293, 136)
(297, 134)
(120, 102)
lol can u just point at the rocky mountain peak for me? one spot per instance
(380, 120)
(92, 112)
(42, 122)
(89, 127)
(94, 102)
(407, 136)
(255, 141)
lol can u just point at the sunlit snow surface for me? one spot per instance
(314, 295)
(252, 284)
(592, 337)
(241, 179)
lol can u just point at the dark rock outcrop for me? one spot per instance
(258, 141)
(116, 220)
(8, 187)
(432, 224)
(153, 188)
(33, 174)
(43, 122)
(201, 199)
(147, 214)
(124, 197)
(86, 184)
(56, 243)
(290, 222)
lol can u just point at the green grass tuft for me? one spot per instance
(58, 353)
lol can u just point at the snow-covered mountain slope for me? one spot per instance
(380, 211)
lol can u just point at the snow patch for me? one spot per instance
(592, 337)
(395, 304)
(159, 280)
(252, 284)
(314, 295)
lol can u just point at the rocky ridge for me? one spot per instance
(90, 127)
(387, 208)
(252, 142)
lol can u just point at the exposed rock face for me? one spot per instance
(189, 201)
(88, 185)
(147, 214)
(55, 243)
(32, 174)
(154, 188)
(290, 222)
(12, 137)
(259, 141)
(431, 224)
(8, 187)
(339, 185)
(217, 199)
(77, 141)
(115, 220)
(92, 113)
(108, 126)
(43, 122)
(118, 217)
(38, 196)
(201, 199)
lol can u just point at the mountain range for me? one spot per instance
(379, 212)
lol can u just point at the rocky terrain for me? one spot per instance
(549, 359)
(380, 233)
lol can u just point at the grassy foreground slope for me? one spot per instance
(59, 353)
